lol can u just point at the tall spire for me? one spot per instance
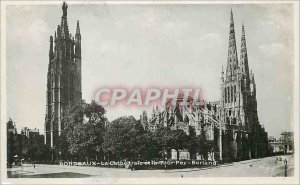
(77, 28)
(232, 61)
(78, 41)
(65, 8)
(51, 47)
(64, 21)
(244, 57)
(222, 75)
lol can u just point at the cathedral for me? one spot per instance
(63, 77)
(232, 122)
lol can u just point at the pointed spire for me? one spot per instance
(78, 40)
(51, 46)
(65, 8)
(58, 31)
(231, 16)
(78, 28)
(232, 61)
(64, 21)
(244, 67)
(243, 30)
(222, 75)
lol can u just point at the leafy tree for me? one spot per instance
(203, 145)
(192, 143)
(46, 154)
(84, 130)
(172, 139)
(179, 141)
(153, 146)
(63, 145)
(10, 144)
(164, 136)
(124, 139)
(31, 148)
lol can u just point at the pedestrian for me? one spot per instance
(33, 165)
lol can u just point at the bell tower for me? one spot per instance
(63, 77)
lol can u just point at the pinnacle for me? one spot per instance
(231, 16)
(64, 8)
(243, 31)
(78, 28)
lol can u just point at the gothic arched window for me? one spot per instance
(231, 94)
(227, 120)
(228, 94)
(225, 95)
(234, 93)
(234, 121)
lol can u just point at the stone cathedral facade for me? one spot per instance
(63, 78)
(232, 122)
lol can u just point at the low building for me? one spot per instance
(22, 145)
(284, 144)
(32, 134)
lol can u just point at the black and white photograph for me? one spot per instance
(157, 92)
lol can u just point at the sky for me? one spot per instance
(160, 45)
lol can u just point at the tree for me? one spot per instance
(172, 139)
(179, 141)
(192, 143)
(124, 139)
(32, 147)
(84, 130)
(10, 143)
(204, 146)
(153, 146)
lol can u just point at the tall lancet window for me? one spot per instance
(234, 94)
(227, 100)
(228, 94)
(225, 94)
(231, 94)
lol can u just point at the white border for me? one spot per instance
(200, 180)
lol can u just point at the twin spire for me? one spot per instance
(244, 56)
(77, 28)
(232, 61)
(233, 66)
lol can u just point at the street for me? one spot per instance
(265, 167)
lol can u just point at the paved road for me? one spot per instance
(265, 167)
